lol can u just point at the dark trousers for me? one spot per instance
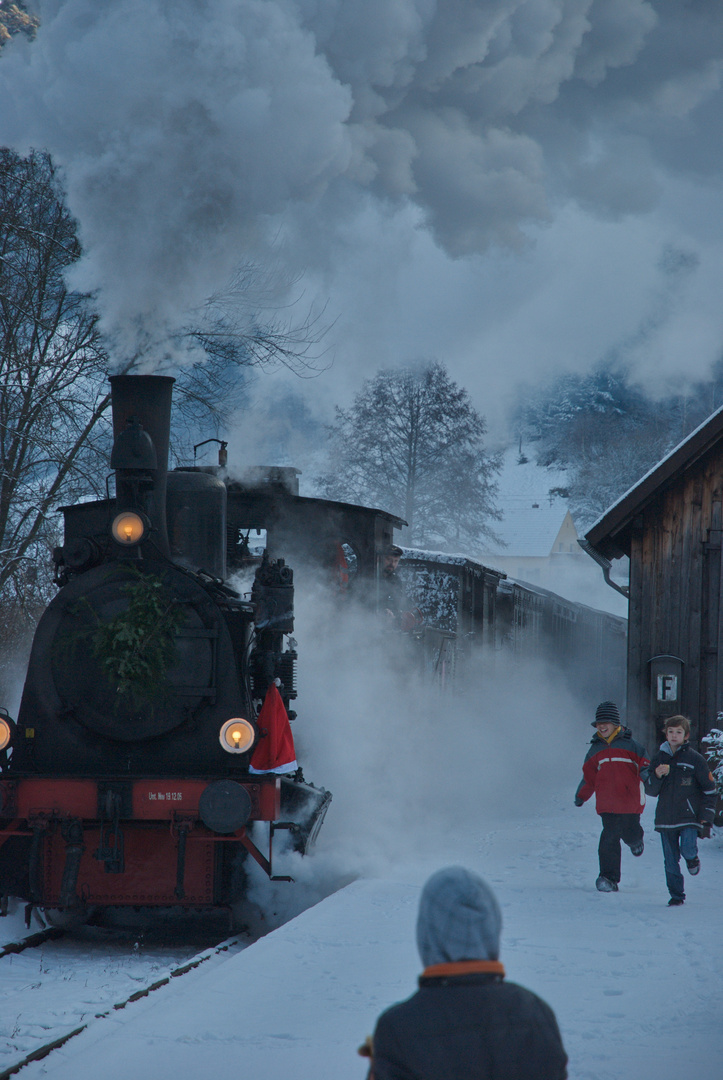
(677, 842)
(617, 827)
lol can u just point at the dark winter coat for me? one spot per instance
(687, 795)
(391, 593)
(469, 1027)
(615, 773)
(465, 1022)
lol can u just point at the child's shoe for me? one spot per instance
(676, 901)
(693, 866)
(604, 884)
(637, 849)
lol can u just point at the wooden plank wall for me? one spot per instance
(675, 596)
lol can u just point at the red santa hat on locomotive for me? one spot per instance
(274, 751)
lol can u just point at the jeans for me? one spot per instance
(677, 842)
(617, 827)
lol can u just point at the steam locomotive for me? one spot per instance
(141, 771)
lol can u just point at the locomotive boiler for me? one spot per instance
(152, 754)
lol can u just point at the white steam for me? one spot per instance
(185, 128)
(406, 762)
(180, 127)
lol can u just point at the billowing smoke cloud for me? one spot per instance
(192, 132)
(407, 761)
(180, 127)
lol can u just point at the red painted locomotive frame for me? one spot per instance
(160, 810)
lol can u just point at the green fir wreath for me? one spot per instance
(136, 647)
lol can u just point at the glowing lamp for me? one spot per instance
(237, 736)
(6, 733)
(128, 528)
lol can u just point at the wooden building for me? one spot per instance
(671, 527)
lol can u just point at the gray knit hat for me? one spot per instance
(459, 918)
(606, 713)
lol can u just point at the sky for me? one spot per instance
(515, 187)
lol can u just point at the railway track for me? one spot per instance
(54, 986)
(32, 941)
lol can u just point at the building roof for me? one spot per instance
(531, 516)
(610, 534)
(443, 558)
(528, 532)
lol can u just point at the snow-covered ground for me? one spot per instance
(636, 985)
(484, 777)
(47, 991)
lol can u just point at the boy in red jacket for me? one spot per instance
(615, 769)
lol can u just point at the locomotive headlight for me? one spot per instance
(236, 736)
(128, 528)
(6, 733)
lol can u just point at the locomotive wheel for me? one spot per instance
(67, 919)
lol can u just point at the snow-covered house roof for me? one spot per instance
(532, 517)
(529, 532)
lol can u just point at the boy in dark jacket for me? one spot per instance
(686, 792)
(614, 769)
(465, 1022)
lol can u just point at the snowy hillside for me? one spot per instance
(523, 482)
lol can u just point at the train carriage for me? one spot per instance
(489, 613)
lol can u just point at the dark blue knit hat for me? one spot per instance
(606, 713)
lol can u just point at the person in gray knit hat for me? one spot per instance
(465, 1022)
(615, 770)
(607, 712)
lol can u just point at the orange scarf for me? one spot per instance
(464, 967)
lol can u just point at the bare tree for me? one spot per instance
(52, 386)
(610, 456)
(237, 343)
(413, 444)
(52, 363)
(54, 393)
(606, 431)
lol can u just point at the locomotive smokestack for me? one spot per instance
(146, 400)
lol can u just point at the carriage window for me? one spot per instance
(346, 565)
(251, 542)
(351, 558)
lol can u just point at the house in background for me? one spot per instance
(538, 540)
(538, 544)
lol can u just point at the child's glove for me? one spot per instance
(367, 1050)
(705, 830)
(578, 802)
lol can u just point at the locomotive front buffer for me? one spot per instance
(97, 843)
